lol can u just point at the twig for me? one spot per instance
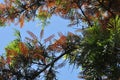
(88, 21)
(107, 8)
(48, 65)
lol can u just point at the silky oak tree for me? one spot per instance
(31, 59)
(97, 50)
(75, 10)
(100, 57)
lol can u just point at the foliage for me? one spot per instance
(100, 51)
(32, 59)
(75, 10)
(97, 51)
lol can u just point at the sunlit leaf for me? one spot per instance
(21, 20)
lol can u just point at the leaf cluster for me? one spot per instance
(100, 51)
(32, 59)
(74, 10)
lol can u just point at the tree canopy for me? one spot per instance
(97, 51)
(75, 10)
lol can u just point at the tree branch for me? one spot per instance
(107, 8)
(38, 3)
(88, 21)
(48, 65)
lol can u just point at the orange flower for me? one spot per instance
(23, 48)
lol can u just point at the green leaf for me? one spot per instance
(17, 34)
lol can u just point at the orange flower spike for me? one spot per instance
(23, 48)
(59, 44)
(9, 60)
(51, 4)
(62, 40)
(74, 5)
(39, 56)
(2, 6)
(21, 20)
